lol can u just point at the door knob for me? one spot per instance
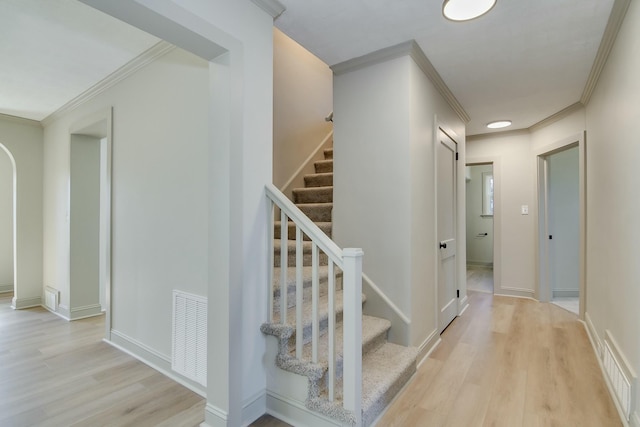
(443, 245)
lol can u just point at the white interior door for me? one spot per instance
(446, 189)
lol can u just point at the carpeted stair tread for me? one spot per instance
(384, 372)
(313, 195)
(374, 334)
(323, 166)
(317, 212)
(319, 179)
(323, 309)
(324, 226)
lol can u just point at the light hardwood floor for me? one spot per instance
(508, 362)
(505, 362)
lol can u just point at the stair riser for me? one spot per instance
(326, 228)
(388, 395)
(313, 195)
(328, 153)
(306, 259)
(317, 213)
(323, 166)
(318, 180)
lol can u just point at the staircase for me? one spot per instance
(386, 367)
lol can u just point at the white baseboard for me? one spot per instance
(85, 311)
(596, 343)
(427, 346)
(566, 293)
(214, 416)
(295, 413)
(515, 292)
(152, 358)
(20, 303)
(464, 303)
(254, 407)
(480, 264)
(6, 288)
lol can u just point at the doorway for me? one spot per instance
(89, 218)
(480, 203)
(7, 221)
(446, 171)
(562, 213)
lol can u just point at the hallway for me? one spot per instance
(508, 362)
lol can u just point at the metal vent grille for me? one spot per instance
(620, 383)
(51, 298)
(189, 337)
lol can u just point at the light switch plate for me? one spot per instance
(525, 209)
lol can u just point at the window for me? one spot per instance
(487, 193)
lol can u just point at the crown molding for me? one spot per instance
(618, 12)
(272, 7)
(412, 49)
(20, 120)
(555, 117)
(146, 57)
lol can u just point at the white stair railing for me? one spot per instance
(348, 260)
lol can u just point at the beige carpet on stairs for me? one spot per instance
(386, 367)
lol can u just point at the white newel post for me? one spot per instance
(352, 321)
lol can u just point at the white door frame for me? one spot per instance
(497, 215)
(460, 221)
(543, 292)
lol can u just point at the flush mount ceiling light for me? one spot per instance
(499, 124)
(465, 10)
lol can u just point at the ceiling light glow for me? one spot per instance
(465, 10)
(499, 124)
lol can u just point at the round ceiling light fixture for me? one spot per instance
(499, 124)
(465, 10)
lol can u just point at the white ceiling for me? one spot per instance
(524, 61)
(54, 50)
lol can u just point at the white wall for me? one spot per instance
(302, 98)
(23, 139)
(6, 222)
(237, 39)
(159, 191)
(613, 208)
(384, 200)
(479, 246)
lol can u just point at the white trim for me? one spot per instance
(464, 303)
(6, 288)
(555, 117)
(618, 12)
(214, 416)
(272, 7)
(294, 412)
(86, 311)
(254, 407)
(57, 313)
(412, 49)
(307, 161)
(20, 303)
(596, 343)
(386, 299)
(152, 358)
(156, 51)
(565, 293)
(20, 120)
(507, 291)
(427, 347)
